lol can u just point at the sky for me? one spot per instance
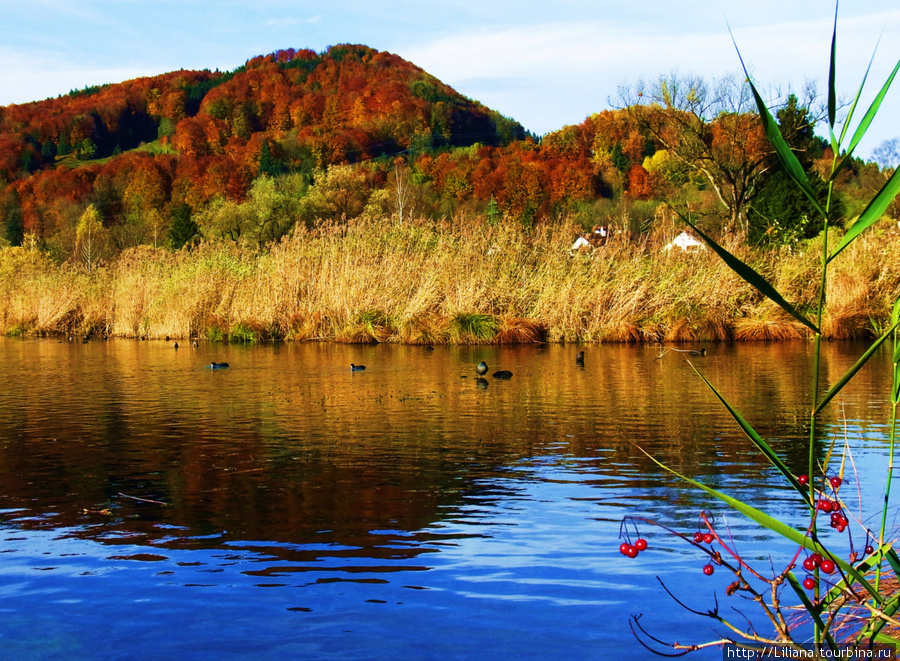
(544, 64)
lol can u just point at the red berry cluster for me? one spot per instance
(626, 548)
(632, 550)
(813, 562)
(704, 537)
(838, 520)
(701, 537)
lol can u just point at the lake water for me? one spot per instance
(292, 509)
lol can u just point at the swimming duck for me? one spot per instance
(579, 358)
(175, 345)
(503, 374)
(481, 369)
(218, 366)
(356, 368)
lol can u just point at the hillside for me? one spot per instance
(296, 137)
(290, 111)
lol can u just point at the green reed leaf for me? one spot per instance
(832, 76)
(785, 155)
(873, 109)
(754, 278)
(758, 441)
(836, 388)
(776, 526)
(895, 319)
(872, 213)
(814, 611)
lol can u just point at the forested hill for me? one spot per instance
(186, 137)
(347, 104)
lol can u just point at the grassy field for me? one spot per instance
(431, 283)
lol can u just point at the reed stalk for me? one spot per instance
(837, 604)
(414, 280)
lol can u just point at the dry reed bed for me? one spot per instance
(435, 283)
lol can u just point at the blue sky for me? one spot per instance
(546, 64)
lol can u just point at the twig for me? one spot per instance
(143, 500)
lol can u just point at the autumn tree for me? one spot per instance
(711, 129)
(89, 236)
(340, 192)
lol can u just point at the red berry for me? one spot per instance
(836, 482)
(870, 550)
(826, 506)
(827, 565)
(809, 564)
(835, 506)
(708, 570)
(641, 544)
(709, 538)
(698, 537)
(623, 548)
(809, 583)
(840, 527)
(816, 558)
(631, 552)
(803, 479)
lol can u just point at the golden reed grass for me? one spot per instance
(430, 282)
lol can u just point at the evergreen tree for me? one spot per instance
(183, 226)
(493, 212)
(14, 227)
(780, 213)
(268, 164)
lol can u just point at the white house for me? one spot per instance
(686, 242)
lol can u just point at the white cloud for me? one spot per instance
(549, 75)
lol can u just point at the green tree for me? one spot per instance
(780, 212)
(14, 226)
(493, 212)
(183, 227)
(268, 165)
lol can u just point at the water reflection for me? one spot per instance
(482, 513)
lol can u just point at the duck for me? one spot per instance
(481, 369)
(356, 368)
(175, 345)
(195, 344)
(503, 374)
(218, 366)
(579, 358)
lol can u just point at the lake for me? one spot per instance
(290, 508)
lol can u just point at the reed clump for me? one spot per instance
(437, 282)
